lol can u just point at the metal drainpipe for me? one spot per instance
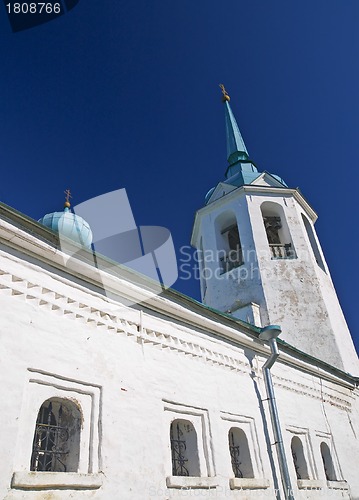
(270, 333)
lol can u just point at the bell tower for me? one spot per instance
(261, 260)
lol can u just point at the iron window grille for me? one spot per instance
(235, 454)
(178, 449)
(296, 466)
(49, 441)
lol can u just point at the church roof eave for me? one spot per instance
(172, 303)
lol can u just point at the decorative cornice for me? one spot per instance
(80, 310)
(24, 235)
(312, 392)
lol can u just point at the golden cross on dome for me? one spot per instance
(68, 196)
(225, 93)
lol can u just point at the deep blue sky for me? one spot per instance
(125, 94)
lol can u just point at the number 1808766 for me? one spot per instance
(33, 8)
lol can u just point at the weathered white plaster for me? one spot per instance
(237, 483)
(295, 293)
(56, 480)
(133, 370)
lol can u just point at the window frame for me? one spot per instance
(327, 461)
(237, 440)
(228, 263)
(298, 467)
(185, 454)
(247, 425)
(40, 387)
(340, 482)
(285, 248)
(224, 223)
(303, 434)
(198, 417)
(57, 437)
(312, 239)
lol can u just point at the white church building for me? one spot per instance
(126, 394)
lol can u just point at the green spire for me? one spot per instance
(237, 154)
(236, 149)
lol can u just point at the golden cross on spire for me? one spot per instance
(68, 196)
(225, 93)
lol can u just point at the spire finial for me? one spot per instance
(236, 149)
(68, 196)
(225, 93)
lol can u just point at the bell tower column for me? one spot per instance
(262, 261)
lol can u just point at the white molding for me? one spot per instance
(187, 482)
(303, 432)
(42, 386)
(338, 485)
(328, 439)
(200, 420)
(75, 306)
(245, 483)
(55, 480)
(310, 484)
(248, 426)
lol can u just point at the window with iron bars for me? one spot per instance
(240, 455)
(178, 448)
(235, 454)
(56, 438)
(50, 437)
(184, 450)
(296, 465)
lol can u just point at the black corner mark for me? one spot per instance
(28, 14)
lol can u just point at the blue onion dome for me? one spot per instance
(68, 224)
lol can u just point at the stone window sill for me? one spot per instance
(309, 484)
(183, 482)
(248, 483)
(338, 485)
(55, 481)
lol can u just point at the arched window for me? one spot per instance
(327, 462)
(299, 461)
(228, 242)
(313, 243)
(56, 445)
(276, 227)
(184, 449)
(239, 451)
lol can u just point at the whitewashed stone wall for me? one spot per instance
(133, 371)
